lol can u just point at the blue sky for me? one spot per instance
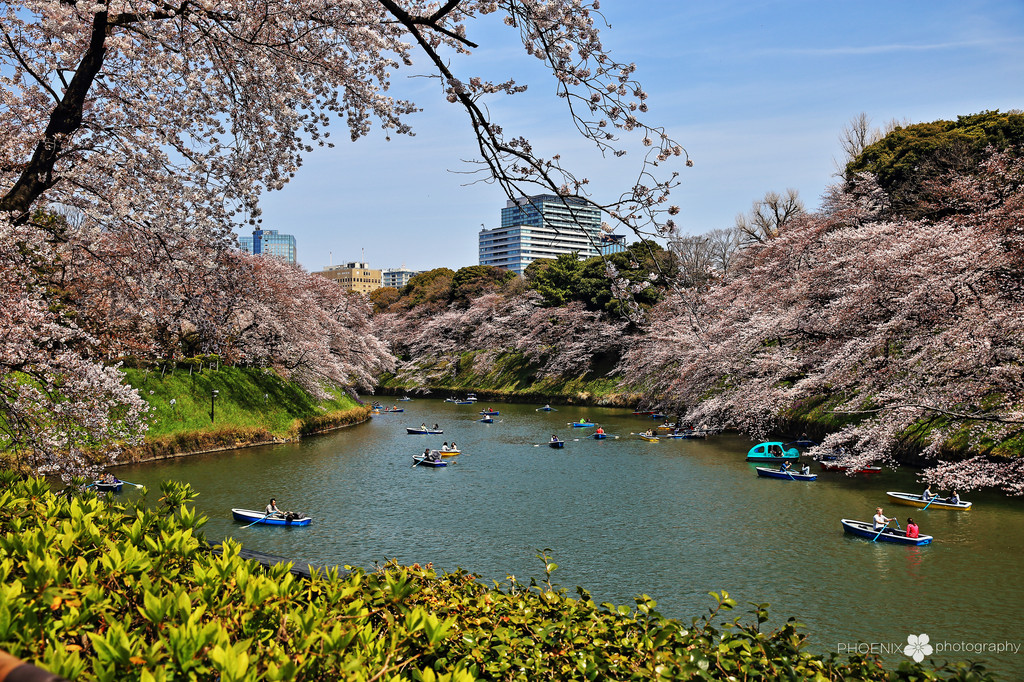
(758, 93)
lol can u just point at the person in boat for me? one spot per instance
(805, 469)
(547, 406)
(954, 498)
(912, 530)
(599, 430)
(785, 466)
(554, 438)
(880, 519)
(272, 509)
(453, 447)
(444, 447)
(436, 427)
(423, 426)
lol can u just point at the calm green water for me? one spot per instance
(674, 520)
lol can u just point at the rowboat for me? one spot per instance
(642, 412)
(664, 428)
(546, 408)
(486, 420)
(655, 415)
(410, 429)
(919, 501)
(650, 439)
(838, 467)
(471, 397)
(687, 435)
(423, 461)
(404, 398)
(490, 412)
(581, 425)
(556, 444)
(397, 409)
(765, 472)
(866, 530)
(771, 452)
(252, 516)
(599, 436)
(464, 402)
(108, 486)
(449, 453)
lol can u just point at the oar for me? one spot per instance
(934, 497)
(880, 532)
(255, 522)
(789, 474)
(137, 485)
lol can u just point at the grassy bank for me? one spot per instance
(510, 377)
(251, 406)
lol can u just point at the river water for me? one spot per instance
(622, 517)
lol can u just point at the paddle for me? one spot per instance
(256, 521)
(789, 474)
(137, 485)
(934, 497)
(880, 532)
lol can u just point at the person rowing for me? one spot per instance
(272, 512)
(881, 521)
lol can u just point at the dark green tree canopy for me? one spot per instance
(475, 280)
(909, 159)
(431, 287)
(566, 278)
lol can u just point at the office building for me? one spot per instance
(358, 277)
(270, 243)
(541, 226)
(612, 243)
(396, 277)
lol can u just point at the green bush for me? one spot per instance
(94, 589)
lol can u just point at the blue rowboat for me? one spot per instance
(253, 516)
(556, 444)
(657, 415)
(108, 486)
(864, 529)
(581, 425)
(599, 436)
(398, 409)
(409, 429)
(490, 412)
(486, 420)
(765, 472)
(771, 452)
(423, 461)
(546, 408)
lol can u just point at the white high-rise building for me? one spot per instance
(541, 226)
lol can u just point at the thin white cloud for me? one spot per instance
(886, 49)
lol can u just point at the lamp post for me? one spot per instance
(213, 394)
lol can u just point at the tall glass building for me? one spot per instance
(270, 243)
(541, 226)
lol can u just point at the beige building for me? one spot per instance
(356, 277)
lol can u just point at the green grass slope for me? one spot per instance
(251, 406)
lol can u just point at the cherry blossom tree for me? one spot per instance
(161, 124)
(61, 407)
(902, 327)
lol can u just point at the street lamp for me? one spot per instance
(213, 394)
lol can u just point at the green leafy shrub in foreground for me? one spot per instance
(93, 589)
